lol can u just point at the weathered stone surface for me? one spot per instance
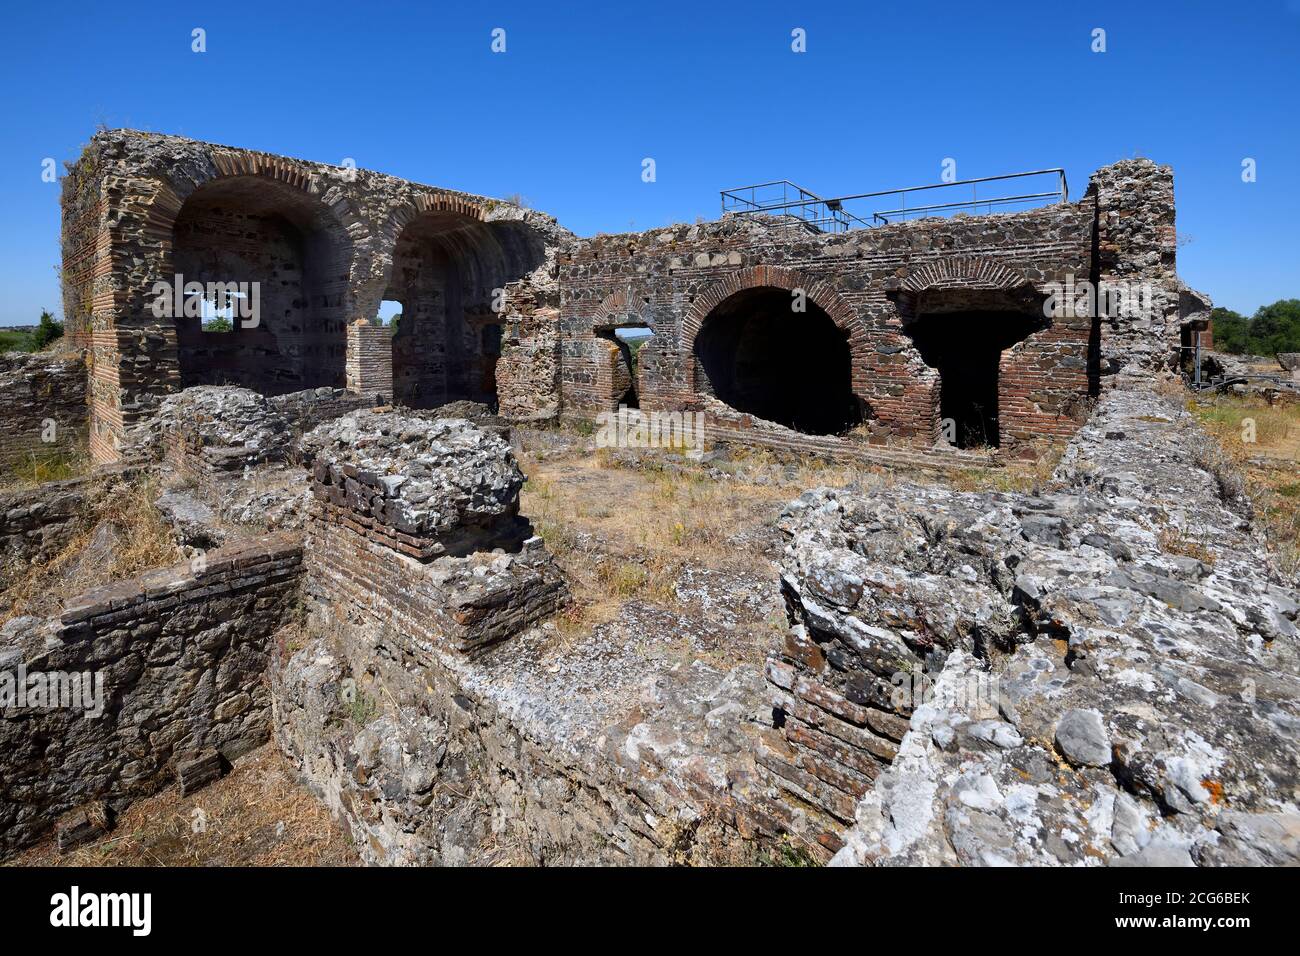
(38, 523)
(196, 772)
(166, 664)
(436, 487)
(1082, 739)
(1137, 695)
(229, 427)
(84, 825)
(44, 400)
(599, 756)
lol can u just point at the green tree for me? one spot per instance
(1231, 330)
(1276, 328)
(218, 324)
(48, 330)
(1272, 329)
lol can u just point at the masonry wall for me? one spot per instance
(182, 657)
(306, 409)
(130, 201)
(123, 201)
(1137, 242)
(865, 280)
(873, 283)
(36, 524)
(43, 396)
(370, 361)
(301, 267)
(528, 373)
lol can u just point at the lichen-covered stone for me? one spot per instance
(442, 486)
(1132, 642)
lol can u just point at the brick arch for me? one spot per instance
(820, 293)
(615, 308)
(339, 216)
(961, 272)
(429, 202)
(169, 198)
(424, 203)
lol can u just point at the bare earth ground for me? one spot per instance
(257, 815)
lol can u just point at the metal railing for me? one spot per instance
(784, 198)
(804, 208)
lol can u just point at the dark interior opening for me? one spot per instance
(448, 270)
(761, 357)
(966, 348)
(628, 339)
(246, 229)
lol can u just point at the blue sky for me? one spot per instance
(711, 91)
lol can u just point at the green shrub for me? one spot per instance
(48, 331)
(15, 340)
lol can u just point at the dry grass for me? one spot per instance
(142, 541)
(258, 815)
(625, 532)
(1270, 462)
(1015, 476)
(1173, 541)
(36, 469)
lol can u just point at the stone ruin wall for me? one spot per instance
(1101, 673)
(871, 283)
(395, 709)
(182, 654)
(438, 756)
(36, 524)
(331, 239)
(407, 709)
(528, 374)
(44, 398)
(129, 221)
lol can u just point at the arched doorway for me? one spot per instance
(449, 268)
(964, 341)
(760, 356)
(285, 244)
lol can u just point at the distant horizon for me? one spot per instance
(567, 116)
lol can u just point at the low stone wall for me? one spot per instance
(304, 410)
(44, 402)
(37, 523)
(460, 603)
(177, 660)
(417, 710)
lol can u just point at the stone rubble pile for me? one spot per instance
(226, 422)
(1111, 667)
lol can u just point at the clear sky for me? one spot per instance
(711, 91)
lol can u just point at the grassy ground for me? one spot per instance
(37, 468)
(258, 815)
(12, 340)
(625, 528)
(624, 525)
(126, 537)
(1024, 477)
(1264, 441)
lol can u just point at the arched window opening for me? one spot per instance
(761, 356)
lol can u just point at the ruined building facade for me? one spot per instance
(325, 244)
(846, 343)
